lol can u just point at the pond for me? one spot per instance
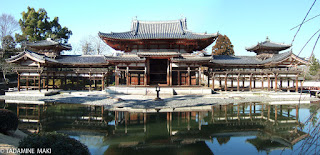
(247, 128)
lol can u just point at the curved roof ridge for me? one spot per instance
(158, 21)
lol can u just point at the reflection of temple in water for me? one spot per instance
(275, 126)
(144, 130)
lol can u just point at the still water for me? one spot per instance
(248, 128)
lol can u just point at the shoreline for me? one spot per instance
(167, 101)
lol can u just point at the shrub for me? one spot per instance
(59, 143)
(8, 121)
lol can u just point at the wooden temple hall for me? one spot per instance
(161, 53)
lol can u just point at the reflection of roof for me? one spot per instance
(49, 42)
(176, 29)
(269, 45)
(248, 60)
(268, 144)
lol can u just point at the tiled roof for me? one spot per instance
(192, 59)
(124, 58)
(176, 29)
(82, 59)
(269, 45)
(158, 53)
(248, 60)
(32, 55)
(49, 42)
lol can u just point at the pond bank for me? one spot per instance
(167, 101)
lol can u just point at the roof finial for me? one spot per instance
(182, 16)
(267, 39)
(135, 18)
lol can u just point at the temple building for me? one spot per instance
(161, 53)
(158, 53)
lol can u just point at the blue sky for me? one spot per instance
(245, 22)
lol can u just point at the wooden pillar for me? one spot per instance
(179, 77)
(262, 79)
(89, 81)
(250, 81)
(65, 80)
(27, 82)
(189, 78)
(127, 76)
(254, 81)
(47, 81)
(34, 81)
(225, 82)
(168, 72)
(53, 81)
(18, 82)
(238, 111)
(199, 119)
(212, 114)
(117, 76)
(297, 113)
(78, 81)
(276, 82)
(39, 83)
(145, 121)
(244, 77)
(170, 124)
(145, 76)
(188, 118)
(268, 112)
(275, 113)
(213, 81)
(262, 110)
(238, 82)
(226, 113)
(220, 84)
(297, 85)
(102, 82)
(43, 83)
(126, 117)
(250, 113)
(199, 78)
(231, 82)
(268, 82)
(280, 83)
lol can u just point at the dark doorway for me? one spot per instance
(158, 71)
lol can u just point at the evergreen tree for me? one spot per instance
(223, 46)
(314, 66)
(8, 43)
(36, 26)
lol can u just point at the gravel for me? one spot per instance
(146, 102)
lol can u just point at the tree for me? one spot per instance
(8, 43)
(314, 66)
(8, 25)
(223, 46)
(36, 26)
(87, 48)
(93, 45)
